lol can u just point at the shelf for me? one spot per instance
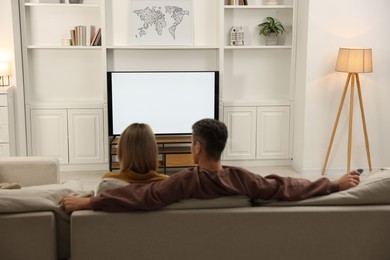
(258, 47)
(160, 47)
(59, 5)
(175, 152)
(173, 139)
(163, 150)
(185, 139)
(258, 6)
(5, 89)
(64, 47)
(62, 105)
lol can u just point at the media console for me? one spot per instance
(174, 152)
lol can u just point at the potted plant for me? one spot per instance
(271, 29)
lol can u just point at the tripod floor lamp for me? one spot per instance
(353, 61)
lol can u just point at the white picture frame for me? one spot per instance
(176, 26)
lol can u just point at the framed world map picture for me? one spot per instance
(161, 22)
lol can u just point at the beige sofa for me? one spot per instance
(352, 224)
(346, 225)
(30, 235)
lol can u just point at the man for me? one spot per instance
(208, 180)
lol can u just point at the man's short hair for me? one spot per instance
(212, 134)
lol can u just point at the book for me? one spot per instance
(99, 42)
(92, 32)
(245, 2)
(73, 37)
(96, 41)
(82, 33)
(79, 35)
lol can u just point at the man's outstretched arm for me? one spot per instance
(157, 195)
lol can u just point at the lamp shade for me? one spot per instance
(354, 60)
(4, 69)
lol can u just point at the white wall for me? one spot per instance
(348, 23)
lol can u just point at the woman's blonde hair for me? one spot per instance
(137, 149)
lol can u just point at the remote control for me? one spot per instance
(359, 171)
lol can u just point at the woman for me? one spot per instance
(137, 156)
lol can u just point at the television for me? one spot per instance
(169, 101)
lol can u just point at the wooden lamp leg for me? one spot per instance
(350, 121)
(336, 122)
(364, 122)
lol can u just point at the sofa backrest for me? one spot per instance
(29, 171)
(320, 233)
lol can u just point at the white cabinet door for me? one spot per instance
(273, 129)
(241, 124)
(86, 136)
(49, 133)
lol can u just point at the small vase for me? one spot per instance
(271, 39)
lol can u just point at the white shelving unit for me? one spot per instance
(63, 81)
(71, 80)
(258, 93)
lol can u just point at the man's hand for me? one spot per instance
(72, 203)
(349, 180)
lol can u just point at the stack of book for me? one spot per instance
(79, 36)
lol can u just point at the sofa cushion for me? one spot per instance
(373, 189)
(235, 201)
(110, 184)
(38, 198)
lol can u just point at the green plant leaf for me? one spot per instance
(270, 26)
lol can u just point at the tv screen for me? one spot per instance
(170, 102)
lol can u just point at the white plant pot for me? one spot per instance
(271, 39)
